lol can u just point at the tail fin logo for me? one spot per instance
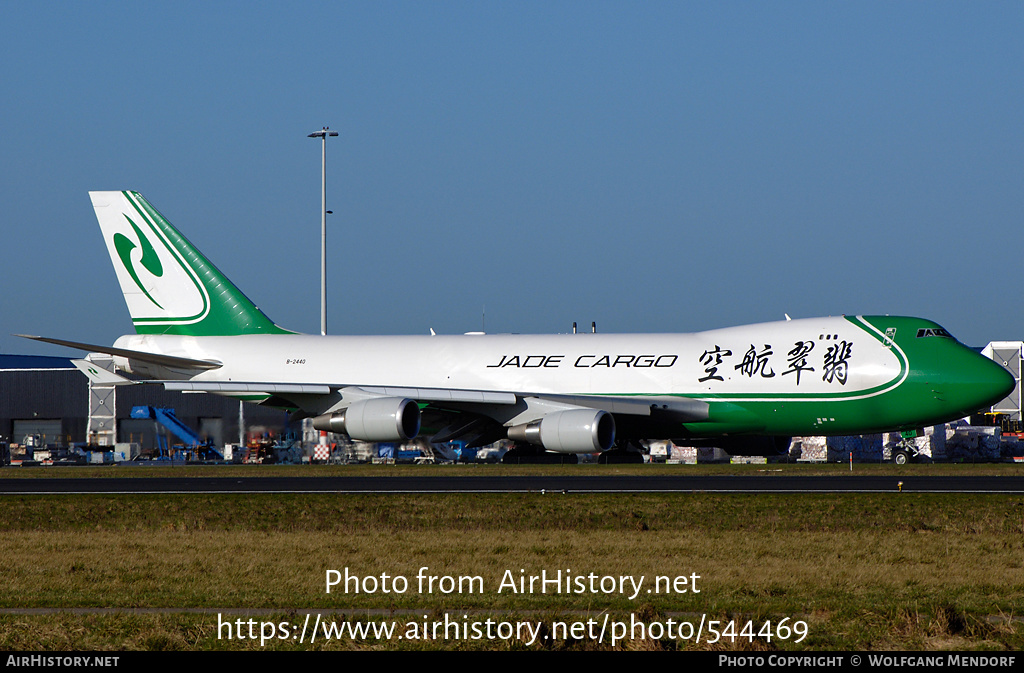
(150, 259)
(152, 263)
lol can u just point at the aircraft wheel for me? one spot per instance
(900, 457)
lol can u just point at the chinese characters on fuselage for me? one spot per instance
(834, 364)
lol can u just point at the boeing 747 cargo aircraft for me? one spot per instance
(746, 389)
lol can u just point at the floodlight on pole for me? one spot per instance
(322, 134)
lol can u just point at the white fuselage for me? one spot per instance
(811, 356)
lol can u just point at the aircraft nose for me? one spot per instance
(983, 383)
(1002, 381)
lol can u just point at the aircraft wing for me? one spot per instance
(479, 417)
(686, 410)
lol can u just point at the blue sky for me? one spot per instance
(650, 166)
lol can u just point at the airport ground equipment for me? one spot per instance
(166, 418)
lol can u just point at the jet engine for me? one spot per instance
(571, 431)
(379, 419)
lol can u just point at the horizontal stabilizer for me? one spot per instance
(99, 376)
(141, 356)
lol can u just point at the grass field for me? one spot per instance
(864, 571)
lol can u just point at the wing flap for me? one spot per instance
(681, 409)
(443, 395)
(244, 387)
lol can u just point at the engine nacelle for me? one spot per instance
(380, 419)
(572, 431)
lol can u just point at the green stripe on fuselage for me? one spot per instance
(940, 380)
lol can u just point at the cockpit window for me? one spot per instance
(933, 332)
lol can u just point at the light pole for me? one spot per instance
(322, 135)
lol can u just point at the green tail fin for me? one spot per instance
(169, 286)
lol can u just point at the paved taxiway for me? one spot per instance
(519, 484)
